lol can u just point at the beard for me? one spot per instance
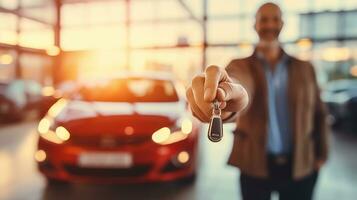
(268, 39)
(269, 35)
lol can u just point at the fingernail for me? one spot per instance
(207, 94)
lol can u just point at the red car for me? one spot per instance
(129, 129)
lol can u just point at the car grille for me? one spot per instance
(108, 141)
(135, 171)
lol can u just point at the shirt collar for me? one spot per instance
(284, 58)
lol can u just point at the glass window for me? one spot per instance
(217, 7)
(169, 9)
(323, 5)
(164, 34)
(306, 25)
(223, 31)
(95, 13)
(44, 11)
(74, 14)
(231, 31)
(151, 10)
(8, 28)
(290, 30)
(326, 25)
(294, 7)
(350, 24)
(196, 6)
(34, 67)
(35, 35)
(130, 90)
(92, 65)
(348, 4)
(221, 56)
(93, 37)
(184, 63)
(34, 3)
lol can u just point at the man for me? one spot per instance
(281, 138)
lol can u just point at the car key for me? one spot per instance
(215, 130)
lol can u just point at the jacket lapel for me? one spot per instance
(292, 97)
(260, 95)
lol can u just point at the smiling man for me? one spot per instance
(281, 138)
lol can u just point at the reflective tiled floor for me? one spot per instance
(19, 179)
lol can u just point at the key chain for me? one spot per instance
(215, 130)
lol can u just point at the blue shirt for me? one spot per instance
(279, 132)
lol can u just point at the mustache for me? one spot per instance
(274, 31)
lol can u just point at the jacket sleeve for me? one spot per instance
(230, 69)
(236, 70)
(321, 129)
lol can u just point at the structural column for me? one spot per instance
(204, 31)
(128, 32)
(57, 64)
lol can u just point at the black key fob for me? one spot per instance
(215, 130)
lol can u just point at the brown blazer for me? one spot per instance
(307, 118)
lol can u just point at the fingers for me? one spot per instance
(213, 75)
(220, 94)
(198, 90)
(194, 108)
(215, 83)
(235, 96)
(228, 91)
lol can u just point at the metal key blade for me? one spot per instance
(215, 130)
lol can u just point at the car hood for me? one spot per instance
(119, 118)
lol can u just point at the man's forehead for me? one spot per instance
(268, 9)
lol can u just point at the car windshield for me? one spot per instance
(129, 90)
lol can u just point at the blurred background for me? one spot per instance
(52, 52)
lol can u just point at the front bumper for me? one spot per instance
(151, 162)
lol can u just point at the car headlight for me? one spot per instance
(57, 108)
(58, 135)
(186, 126)
(166, 136)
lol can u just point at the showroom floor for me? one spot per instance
(19, 179)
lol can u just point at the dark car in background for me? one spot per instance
(18, 97)
(130, 129)
(340, 97)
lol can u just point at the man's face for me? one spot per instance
(268, 23)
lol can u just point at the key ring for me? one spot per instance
(216, 110)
